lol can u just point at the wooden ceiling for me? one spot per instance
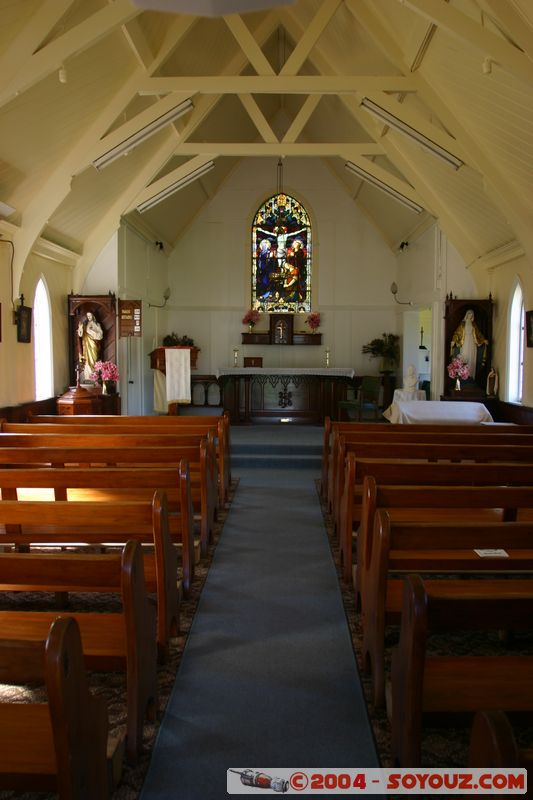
(79, 76)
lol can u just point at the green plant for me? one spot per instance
(172, 339)
(386, 347)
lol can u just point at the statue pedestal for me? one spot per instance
(76, 401)
(79, 400)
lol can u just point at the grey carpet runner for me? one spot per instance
(268, 676)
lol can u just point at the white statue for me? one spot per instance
(410, 379)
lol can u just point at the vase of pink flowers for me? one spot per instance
(251, 317)
(106, 374)
(313, 320)
(458, 369)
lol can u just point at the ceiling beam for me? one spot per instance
(129, 128)
(462, 27)
(110, 221)
(203, 106)
(416, 121)
(319, 149)
(312, 33)
(248, 45)
(502, 192)
(290, 84)
(24, 45)
(171, 177)
(55, 186)
(383, 175)
(517, 26)
(258, 118)
(74, 41)
(302, 118)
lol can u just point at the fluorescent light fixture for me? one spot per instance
(6, 210)
(175, 187)
(124, 147)
(402, 127)
(379, 184)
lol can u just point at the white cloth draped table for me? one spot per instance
(437, 412)
(406, 395)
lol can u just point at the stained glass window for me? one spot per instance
(281, 256)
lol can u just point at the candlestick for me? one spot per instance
(327, 356)
(235, 356)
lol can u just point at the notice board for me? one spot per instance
(130, 317)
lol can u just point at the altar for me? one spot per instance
(292, 394)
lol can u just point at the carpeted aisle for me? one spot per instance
(268, 676)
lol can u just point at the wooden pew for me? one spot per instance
(148, 520)
(202, 463)
(398, 472)
(493, 744)
(480, 452)
(124, 641)
(60, 745)
(428, 547)
(432, 503)
(455, 683)
(344, 444)
(347, 428)
(180, 522)
(221, 424)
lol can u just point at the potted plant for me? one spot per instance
(173, 340)
(387, 348)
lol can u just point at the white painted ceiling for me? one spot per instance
(79, 76)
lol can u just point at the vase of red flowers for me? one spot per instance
(106, 374)
(251, 318)
(458, 369)
(313, 320)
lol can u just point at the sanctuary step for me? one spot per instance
(283, 447)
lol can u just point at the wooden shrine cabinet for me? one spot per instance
(454, 316)
(103, 306)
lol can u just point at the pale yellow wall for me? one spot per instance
(209, 271)
(16, 361)
(500, 281)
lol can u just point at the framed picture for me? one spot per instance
(24, 324)
(529, 328)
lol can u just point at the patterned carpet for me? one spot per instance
(112, 685)
(446, 745)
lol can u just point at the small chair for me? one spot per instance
(368, 397)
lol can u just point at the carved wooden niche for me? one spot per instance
(103, 306)
(480, 314)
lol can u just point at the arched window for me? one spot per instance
(281, 256)
(42, 343)
(515, 358)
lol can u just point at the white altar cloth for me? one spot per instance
(437, 412)
(332, 372)
(175, 385)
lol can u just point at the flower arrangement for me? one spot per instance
(104, 371)
(313, 320)
(458, 368)
(251, 317)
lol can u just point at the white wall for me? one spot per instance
(209, 271)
